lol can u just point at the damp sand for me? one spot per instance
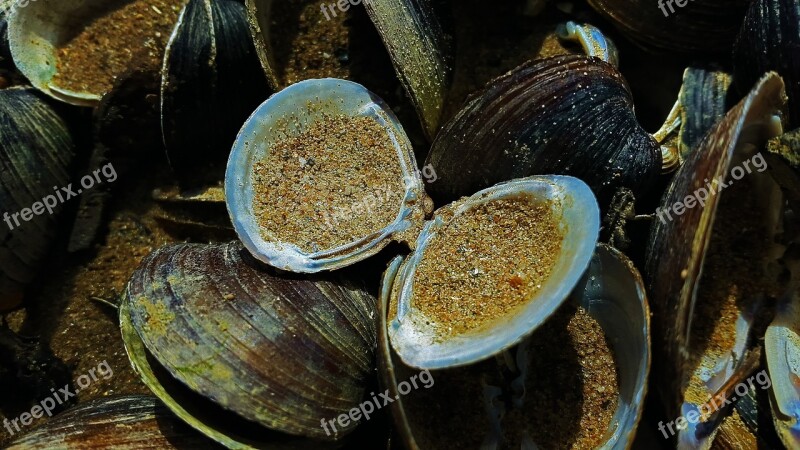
(335, 183)
(134, 35)
(734, 278)
(571, 393)
(486, 263)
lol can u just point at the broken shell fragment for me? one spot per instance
(558, 224)
(298, 224)
(282, 352)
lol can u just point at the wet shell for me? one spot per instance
(567, 115)
(280, 351)
(211, 81)
(126, 422)
(612, 292)
(698, 26)
(677, 247)
(420, 51)
(703, 99)
(415, 336)
(36, 150)
(770, 40)
(299, 106)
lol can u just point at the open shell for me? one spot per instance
(288, 113)
(678, 247)
(420, 345)
(280, 352)
(37, 29)
(612, 292)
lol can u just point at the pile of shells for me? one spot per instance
(345, 244)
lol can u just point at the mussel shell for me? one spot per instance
(704, 102)
(288, 113)
(572, 204)
(612, 291)
(211, 81)
(420, 51)
(782, 347)
(697, 26)
(280, 351)
(260, 21)
(36, 150)
(36, 29)
(770, 40)
(126, 422)
(566, 115)
(676, 250)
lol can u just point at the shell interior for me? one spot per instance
(419, 343)
(36, 30)
(611, 291)
(287, 113)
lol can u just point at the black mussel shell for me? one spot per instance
(566, 115)
(211, 82)
(666, 25)
(36, 151)
(770, 40)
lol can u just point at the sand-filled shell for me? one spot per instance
(125, 422)
(211, 82)
(280, 351)
(566, 115)
(36, 150)
(612, 293)
(678, 254)
(287, 114)
(420, 51)
(770, 40)
(38, 29)
(422, 341)
(694, 26)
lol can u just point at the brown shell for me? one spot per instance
(281, 351)
(677, 247)
(126, 422)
